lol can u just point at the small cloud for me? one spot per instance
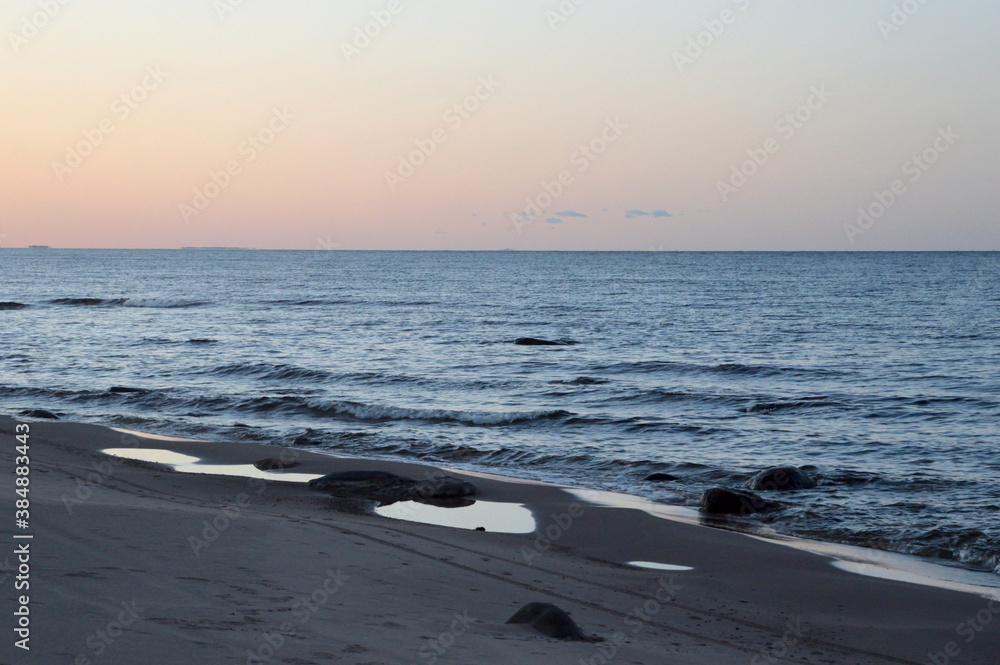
(554, 220)
(482, 223)
(661, 213)
(570, 213)
(440, 232)
(475, 214)
(632, 214)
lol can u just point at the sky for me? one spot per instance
(500, 124)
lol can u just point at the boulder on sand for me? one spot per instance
(722, 501)
(781, 479)
(274, 464)
(388, 488)
(549, 620)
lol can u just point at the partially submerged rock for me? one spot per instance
(388, 487)
(39, 413)
(549, 620)
(533, 341)
(274, 464)
(781, 479)
(660, 478)
(307, 439)
(721, 501)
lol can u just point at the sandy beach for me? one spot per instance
(132, 562)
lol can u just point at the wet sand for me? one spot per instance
(135, 562)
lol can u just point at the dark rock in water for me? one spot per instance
(79, 302)
(274, 464)
(781, 479)
(480, 528)
(549, 620)
(11, 305)
(660, 478)
(39, 413)
(307, 439)
(721, 501)
(531, 341)
(388, 487)
(121, 390)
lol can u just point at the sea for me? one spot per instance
(878, 373)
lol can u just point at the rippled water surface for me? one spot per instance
(877, 372)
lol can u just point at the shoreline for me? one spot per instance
(738, 600)
(858, 560)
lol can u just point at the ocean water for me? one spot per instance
(880, 373)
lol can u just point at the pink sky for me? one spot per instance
(275, 126)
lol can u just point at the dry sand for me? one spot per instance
(125, 570)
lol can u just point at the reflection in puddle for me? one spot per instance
(154, 437)
(494, 517)
(658, 566)
(189, 464)
(151, 455)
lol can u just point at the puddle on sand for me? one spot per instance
(154, 437)
(852, 559)
(494, 517)
(652, 565)
(189, 464)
